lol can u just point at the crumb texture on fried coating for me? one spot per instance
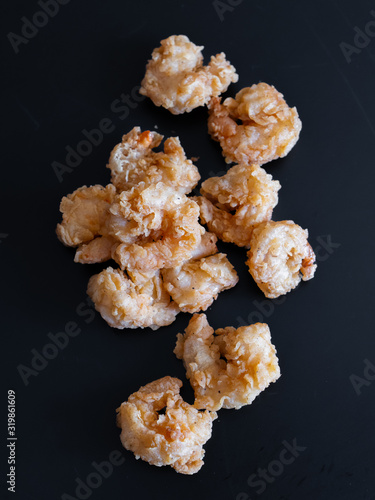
(143, 220)
(137, 301)
(207, 245)
(174, 436)
(157, 227)
(232, 204)
(279, 257)
(84, 214)
(177, 80)
(196, 284)
(256, 127)
(97, 250)
(133, 161)
(227, 368)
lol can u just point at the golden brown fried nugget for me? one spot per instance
(134, 161)
(157, 227)
(227, 368)
(256, 127)
(232, 204)
(177, 80)
(279, 257)
(138, 301)
(196, 284)
(97, 250)
(84, 214)
(174, 437)
(207, 245)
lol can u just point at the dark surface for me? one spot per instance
(65, 80)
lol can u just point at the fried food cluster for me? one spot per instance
(227, 368)
(135, 299)
(177, 80)
(159, 427)
(168, 263)
(145, 222)
(279, 257)
(232, 204)
(256, 127)
(134, 161)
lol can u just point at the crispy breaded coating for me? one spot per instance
(177, 80)
(157, 227)
(84, 214)
(279, 257)
(268, 128)
(134, 161)
(227, 368)
(232, 204)
(138, 301)
(173, 437)
(196, 284)
(151, 224)
(97, 250)
(207, 246)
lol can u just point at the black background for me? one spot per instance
(64, 80)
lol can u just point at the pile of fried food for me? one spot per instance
(145, 222)
(168, 262)
(227, 368)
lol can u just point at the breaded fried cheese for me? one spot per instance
(256, 127)
(227, 368)
(177, 80)
(158, 426)
(279, 257)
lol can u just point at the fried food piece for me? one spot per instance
(138, 301)
(134, 161)
(84, 214)
(206, 247)
(175, 437)
(268, 128)
(158, 228)
(227, 368)
(232, 204)
(279, 257)
(97, 250)
(177, 80)
(196, 284)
